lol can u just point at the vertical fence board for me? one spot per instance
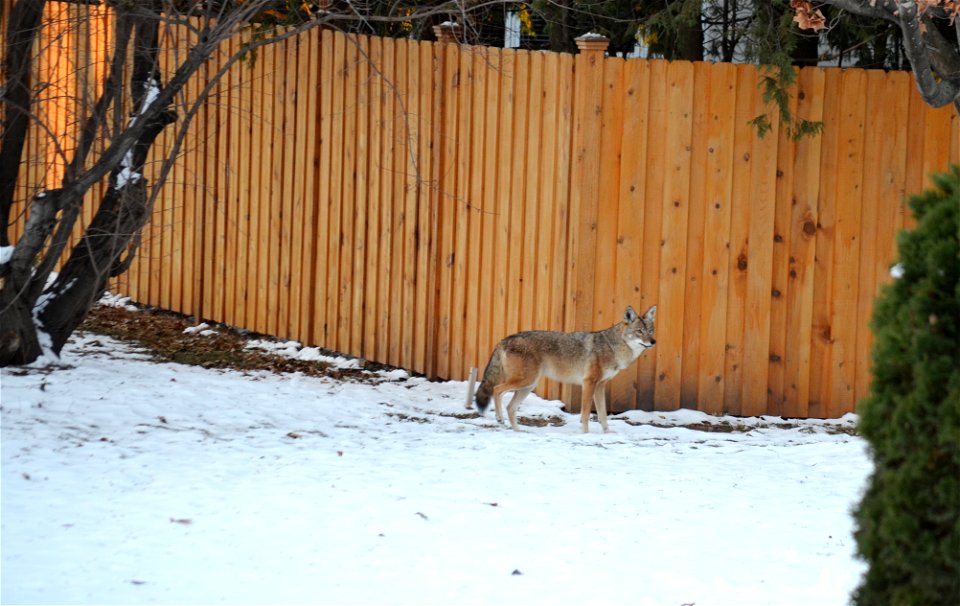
(759, 252)
(447, 207)
(697, 202)
(822, 338)
(874, 207)
(408, 184)
(321, 202)
(747, 108)
(656, 166)
(718, 173)
(847, 240)
(349, 241)
(513, 214)
(673, 242)
(335, 198)
(383, 123)
(492, 62)
(374, 256)
(461, 203)
(473, 207)
(804, 218)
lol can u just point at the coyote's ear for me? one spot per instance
(629, 315)
(651, 314)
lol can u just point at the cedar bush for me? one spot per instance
(908, 523)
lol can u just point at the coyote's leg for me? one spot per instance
(497, 394)
(600, 398)
(586, 398)
(518, 397)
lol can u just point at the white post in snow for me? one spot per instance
(473, 381)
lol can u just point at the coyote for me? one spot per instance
(586, 358)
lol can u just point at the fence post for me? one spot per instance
(584, 187)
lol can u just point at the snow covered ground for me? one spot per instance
(128, 481)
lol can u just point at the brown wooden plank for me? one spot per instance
(407, 173)
(608, 309)
(373, 259)
(491, 72)
(324, 144)
(350, 241)
(656, 166)
(445, 212)
(822, 339)
(803, 232)
(714, 276)
(561, 193)
(748, 106)
(505, 158)
(223, 122)
(549, 92)
(847, 242)
(306, 157)
(463, 89)
(515, 234)
(631, 212)
(215, 131)
(425, 322)
(782, 226)
(335, 235)
(675, 202)
(533, 235)
(291, 207)
(759, 252)
(693, 289)
(388, 324)
(476, 80)
(869, 233)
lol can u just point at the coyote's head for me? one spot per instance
(638, 330)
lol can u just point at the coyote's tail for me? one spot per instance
(491, 377)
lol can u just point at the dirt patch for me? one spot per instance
(728, 427)
(541, 421)
(162, 335)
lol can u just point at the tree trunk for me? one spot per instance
(807, 51)
(22, 28)
(36, 320)
(18, 335)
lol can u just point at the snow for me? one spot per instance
(110, 299)
(295, 350)
(127, 174)
(152, 91)
(129, 481)
(6, 253)
(48, 356)
(203, 329)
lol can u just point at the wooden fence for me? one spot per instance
(414, 202)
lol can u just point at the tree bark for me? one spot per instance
(22, 28)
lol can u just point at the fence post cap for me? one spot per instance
(447, 32)
(592, 42)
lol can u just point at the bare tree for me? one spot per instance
(37, 317)
(932, 48)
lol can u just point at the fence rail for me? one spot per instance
(414, 202)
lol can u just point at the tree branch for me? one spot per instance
(936, 93)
